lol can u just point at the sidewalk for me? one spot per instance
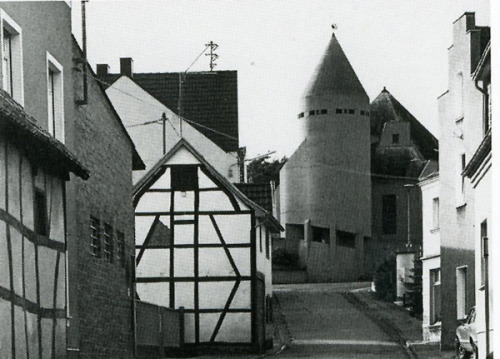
(403, 326)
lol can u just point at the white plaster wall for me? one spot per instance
(136, 106)
(431, 244)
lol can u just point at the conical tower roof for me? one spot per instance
(335, 75)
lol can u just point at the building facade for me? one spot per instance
(459, 108)
(431, 251)
(99, 212)
(197, 245)
(478, 171)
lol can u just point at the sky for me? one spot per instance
(276, 45)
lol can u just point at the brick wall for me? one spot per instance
(99, 302)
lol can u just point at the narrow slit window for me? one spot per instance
(338, 110)
(108, 243)
(40, 213)
(351, 111)
(301, 115)
(311, 113)
(95, 237)
(324, 111)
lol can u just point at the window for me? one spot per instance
(268, 244)
(362, 112)
(484, 250)
(317, 112)
(462, 168)
(321, 235)
(395, 138)
(389, 216)
(11, 53)
(346, 239)
(40, 213)
(301, 115)
(324, 111)
(120, 248)
(311, 113)
(184, 178)
(260, 239)
(461, 292)
(55, 98)
(108, 243)
(338, 110)
(435, 213)
(345, 110)
(435, 295)
(95, 237)
(351, 111)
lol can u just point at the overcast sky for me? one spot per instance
(275, 46)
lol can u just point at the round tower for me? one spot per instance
(326, 183)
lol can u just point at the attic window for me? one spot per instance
(395, 138)
(324, 111)
(300, 115)
(311, 113)
(351, 111)
(338, 110)
(184, 178)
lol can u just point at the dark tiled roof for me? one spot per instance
(36, 142)
(208, 98)
(259, 193)
(386, 108)
(431, 169)
(401, 161)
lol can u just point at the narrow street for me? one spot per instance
(323, 323)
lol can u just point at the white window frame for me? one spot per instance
(16, 57)
(55, 110)
(462, 302)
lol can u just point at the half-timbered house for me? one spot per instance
(197, 248)
(33, 169)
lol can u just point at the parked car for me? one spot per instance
(466, 339)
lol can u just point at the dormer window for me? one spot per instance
(395, 138)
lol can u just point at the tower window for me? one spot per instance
(301, 115)
(351, 111)
(317, 112)
(311, 113)
(345, 110)
(346, 239)
(389, 214)
(338, 110)
(395, 138)
(362, 112)
(324, 111)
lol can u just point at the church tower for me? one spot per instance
(325, 191)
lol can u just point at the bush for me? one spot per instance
(415, 290)
(385, 279)
(284, 258)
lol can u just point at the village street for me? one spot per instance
(322, 321)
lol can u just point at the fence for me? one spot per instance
(159, 330)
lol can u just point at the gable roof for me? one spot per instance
(334, 74)
(209, 99)
(137, 163)
(150, 177)
(386, 108)
(37, 143)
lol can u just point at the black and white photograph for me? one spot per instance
(235, 179)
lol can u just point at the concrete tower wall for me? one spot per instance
(325, 185)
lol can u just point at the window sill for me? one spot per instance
(436, 325)
(482, 288)
(459, 118)
(434, 230)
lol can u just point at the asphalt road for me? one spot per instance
(323, 324)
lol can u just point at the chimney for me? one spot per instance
(102, 69)
(126, 66)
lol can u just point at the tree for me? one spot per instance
(262, 170)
